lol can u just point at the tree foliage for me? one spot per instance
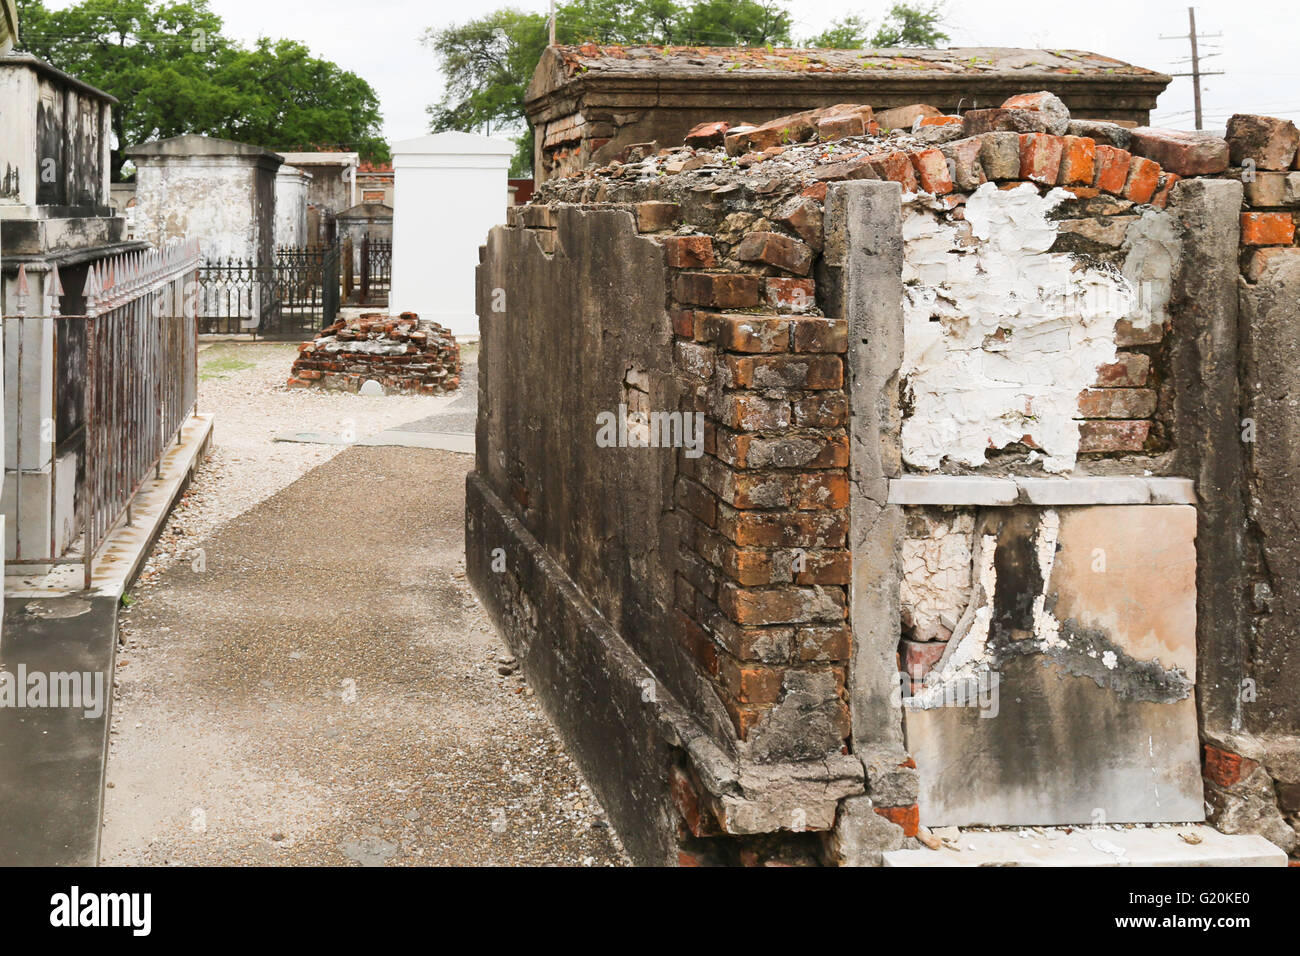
(174, 73)
(904, 26)
(488, 61)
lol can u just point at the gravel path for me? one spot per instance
(244, 384)
(323, 688)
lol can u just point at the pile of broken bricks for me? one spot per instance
(403, 353)
(1031, 137)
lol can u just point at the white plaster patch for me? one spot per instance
(937, 575)
(1000, 335)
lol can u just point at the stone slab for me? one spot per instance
(1097, 847)
(52, 759)
(1086, 711)
(1079, 490)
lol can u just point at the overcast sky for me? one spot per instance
(380, 40)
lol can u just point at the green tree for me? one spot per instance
(904, 26)
(174, 72)
(488, 61)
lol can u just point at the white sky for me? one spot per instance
(380, 40)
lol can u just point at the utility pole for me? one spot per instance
(1196, 73)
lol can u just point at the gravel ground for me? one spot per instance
(244, 384)
(324, 688)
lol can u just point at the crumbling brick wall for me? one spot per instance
(744, 606)
(1252, 751)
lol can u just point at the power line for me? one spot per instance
(1196, 73)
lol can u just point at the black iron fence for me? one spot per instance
(293, 295)
(376, 269)
(97, 399)
(368, 271)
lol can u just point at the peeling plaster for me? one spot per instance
(936, 561)
(1001, 335)
(975, 650)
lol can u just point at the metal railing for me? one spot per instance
(367, 270)
(376, 269)
(122, 380)
(296, 292)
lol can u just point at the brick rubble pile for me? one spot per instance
(402, 353)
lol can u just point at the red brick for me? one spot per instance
(696, 640)
(822, 410)
(856, 168)
(786, 294)
(777, 250)
(905, 117)
(695, 360)
(748, 333)
(832, 643)
(1117, 403)
(909, 818)
(1262, 260)
(964, 163)
(689, 252)
(1126, 334)
(944, 119)
(1112, 436)
(1112, 169)
(920, 657)
(787, 605)
(721, 290)
(745, 717)
(821, 335)
(707, 135)
(1267, 141)
(975, 122)
(653, 216)
(822, 490)
(751, 413)
(750, 683)
(768, 644)
(896, 166)
(1040, 157)
(683, 322)
(837, 127)
(811, 371)
(1078, 161)
(1187, 153)
(698, 501)
(1129, 369)
(783, 130)
(824, 567)
(699, 820)
(932, 171)
(1167, 183)
(1143, 178)
(790, 451)
(800, 529)
(1267, 229)
(1225, 767)
(806, 218)
(751, 569)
